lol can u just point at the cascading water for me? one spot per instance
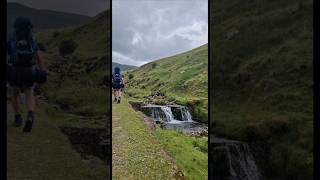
(165, 113)
(235, 159)
(186, 114)
(242, 164)
(175, 117)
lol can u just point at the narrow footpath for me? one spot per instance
(136, 154)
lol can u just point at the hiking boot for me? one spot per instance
(29, 122)
(17, 120)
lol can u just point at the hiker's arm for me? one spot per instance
(39, 57)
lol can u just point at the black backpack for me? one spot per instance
(23, 51)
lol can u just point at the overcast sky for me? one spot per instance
(84, 7)
(147, 30)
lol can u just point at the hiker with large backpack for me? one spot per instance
(117, 84)
(25, 67)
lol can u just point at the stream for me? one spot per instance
(175, 117)
(230, 159)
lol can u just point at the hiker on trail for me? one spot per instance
(24, 68)
(117, 84)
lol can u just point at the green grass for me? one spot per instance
(263, 82)
(77, 82)
(183, 78)
(190, 153)
(46, 153)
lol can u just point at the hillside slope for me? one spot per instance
(70, 138)
(183, 78)
(262, 59)
(79, 82)
(43, 19)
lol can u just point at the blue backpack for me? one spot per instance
(117, 78)
(22, 47)
(23, 52)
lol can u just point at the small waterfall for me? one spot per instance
(165, 113)
(175, 117)
(242, 164)
(186, 115)
(158, 114)
(236, 158)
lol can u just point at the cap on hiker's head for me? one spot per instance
(117, 70)
(23, 23)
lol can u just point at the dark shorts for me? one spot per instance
(21, 76)
(117, 86)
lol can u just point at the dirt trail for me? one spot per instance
(135, 152)
(46, 153)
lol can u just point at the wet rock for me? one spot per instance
(220, 165)
(149, 122)
(135, 105)
(89, 141)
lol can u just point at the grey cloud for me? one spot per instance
(146, 30)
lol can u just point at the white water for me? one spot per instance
(165, 113)
(242, 165)
(186, 114)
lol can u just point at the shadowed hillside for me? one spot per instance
(43, 19)
(70, 138)
(78, 82)
(263, 81)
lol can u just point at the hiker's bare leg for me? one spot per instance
(120, 93)
(16, 101)
(30, 101)
(117, 94)
(114, 93)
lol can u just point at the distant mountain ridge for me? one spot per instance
(123, 67)
(43, 19)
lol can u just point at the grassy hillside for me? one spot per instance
(183, 78)
(263, 81)
(76, 96)
(78, 82)
(43, 19)
(123, 67)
